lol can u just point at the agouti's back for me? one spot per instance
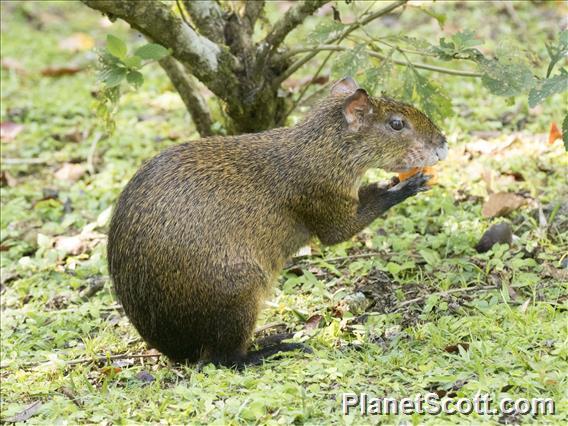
(202, 230)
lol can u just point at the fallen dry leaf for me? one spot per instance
(455, 349)
(73, 136)
(12, 64)
(501, 204)
(9, 130)
(73, 245)
(483, 146)
(70, 172)
(523, 308)
(556, 273)
(6, 179)
(77, 42)
(554, 133)
(313, 322)
(59, 71)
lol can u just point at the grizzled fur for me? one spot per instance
(202, 230)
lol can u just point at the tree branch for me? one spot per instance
(291, 19)
(300, 62)
(189, 93)
(333, 47)
(252, 11)
(208, 18)
(209, 62)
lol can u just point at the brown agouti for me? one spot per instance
(202, 230)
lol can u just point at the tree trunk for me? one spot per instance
(216, 47)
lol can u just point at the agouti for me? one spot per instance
(202, 230)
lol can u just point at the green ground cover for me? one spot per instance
(406, 307)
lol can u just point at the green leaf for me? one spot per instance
(417, 43)
(548, 87)
(325, 30)
(430, 256)
(431, 98)
(134, 62)
(509, 79)
(350, 61)
(152, 51)
(135, 78)
(440, 17)
(107, 60)
(565, 132)
(460, 44)
(116, 46)
(113, 76)
(557, 52)
(465, 40)
(378, 77)
(393, 268)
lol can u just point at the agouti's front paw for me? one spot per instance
(412, 186)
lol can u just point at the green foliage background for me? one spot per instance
(516, 333)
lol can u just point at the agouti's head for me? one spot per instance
(396, 135)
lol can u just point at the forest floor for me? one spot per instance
(406, 307)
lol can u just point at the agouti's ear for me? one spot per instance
(355, 108)
(345, 86)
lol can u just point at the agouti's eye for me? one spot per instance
(396, 124)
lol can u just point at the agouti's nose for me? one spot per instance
(442, 151)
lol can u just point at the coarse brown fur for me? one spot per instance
(202, 230)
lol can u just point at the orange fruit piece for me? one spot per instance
(426, 170)
(554, 133)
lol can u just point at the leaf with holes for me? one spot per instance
(460, 44)
(326, 30)
(431, 98)
(506, 79)
(350, 61)
(548, 87)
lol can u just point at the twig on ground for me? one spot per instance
(442, 293)
(23, 161)
(312, 260)
(110, 357)
(92, 152)
(69, 394)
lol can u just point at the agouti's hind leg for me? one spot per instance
(233, 325)
(271, 345)
(272, 339)
(258, 357)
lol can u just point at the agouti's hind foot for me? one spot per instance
(257, 357)
(274, 351)
(272, 339)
